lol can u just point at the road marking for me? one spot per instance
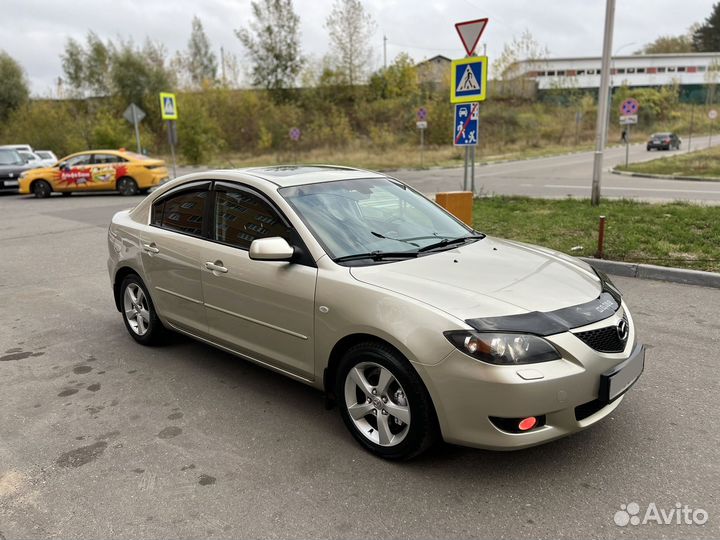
(628, 188)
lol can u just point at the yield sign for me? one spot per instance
(470, 32)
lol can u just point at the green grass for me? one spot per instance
(675, 234)
(701, 163)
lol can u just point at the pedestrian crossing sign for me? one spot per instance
(168, 106)
(469, 79)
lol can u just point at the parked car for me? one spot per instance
(48, 158)
(25, 147)
(415, 324)
(31, 158)
(663, 141)
(12, 166)
(96, 170)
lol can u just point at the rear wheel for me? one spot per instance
(127, 186)
(384, 403)
(139, 313)
(41, 189)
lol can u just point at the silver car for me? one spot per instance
(417, 326)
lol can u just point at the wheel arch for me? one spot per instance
(330, 371)
(36, 180)
(120, 275)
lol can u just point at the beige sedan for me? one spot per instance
(417, 326)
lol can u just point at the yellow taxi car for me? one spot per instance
(96, 170)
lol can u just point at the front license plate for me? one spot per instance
(619, 379)
(11, 183)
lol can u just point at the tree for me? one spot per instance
(669, 44)
(273, 43)
(14, 90)
(201, 61)
(400, 79)
(526, 47)
(351, 29)
(707, 36)
(87, 68)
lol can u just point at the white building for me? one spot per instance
(686, 69)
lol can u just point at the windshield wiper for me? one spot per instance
(390, 238)
(378, 256)
(450, 241)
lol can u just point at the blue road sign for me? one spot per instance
(466, 124)
(469, 79)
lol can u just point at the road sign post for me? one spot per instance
(628, 116)
(421, 124)
(712, 115)
(468, 87)
(169, 112)
(134, 115)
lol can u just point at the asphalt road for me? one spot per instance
(571, 175)
(568, 175)
(101, 437)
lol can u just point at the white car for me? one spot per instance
(48, 158)
(32, 159)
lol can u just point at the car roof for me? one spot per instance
(296, 175)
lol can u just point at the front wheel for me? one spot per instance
(139, 313)
(41, 189)
(384, 403)
(127, 186)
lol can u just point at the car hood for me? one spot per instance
(488, 278)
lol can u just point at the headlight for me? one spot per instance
(503, 349)
(23, 174)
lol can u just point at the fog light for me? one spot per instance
(527, 423)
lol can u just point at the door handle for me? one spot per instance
(216, 266)
(151, 248)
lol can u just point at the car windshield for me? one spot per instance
(10, 157)
(44, 155)
(372, 216)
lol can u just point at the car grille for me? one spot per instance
(604, 340)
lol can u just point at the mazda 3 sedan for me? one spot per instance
(417, 326)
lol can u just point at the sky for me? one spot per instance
(34, 32)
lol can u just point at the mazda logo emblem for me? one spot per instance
(622, 330)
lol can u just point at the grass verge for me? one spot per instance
(675, 234)
(701, 163)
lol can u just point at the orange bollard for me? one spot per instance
(458, 203)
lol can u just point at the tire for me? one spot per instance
(41, 189)
(400, 422)
(138, 312)
(127, 186)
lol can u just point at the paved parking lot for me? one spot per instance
(100, 437)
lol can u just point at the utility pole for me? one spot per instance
(222, 64)
(384, 51)
(603, 94)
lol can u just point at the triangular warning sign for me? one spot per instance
(169, 107)
(470, 32)
(468, 81)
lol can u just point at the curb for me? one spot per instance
(661, 273)
(666, 176)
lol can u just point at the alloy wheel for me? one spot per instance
(136, 310)
(377, 404)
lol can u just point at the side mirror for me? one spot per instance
(63, 166)
(271, 249)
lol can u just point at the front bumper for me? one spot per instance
(572, 393)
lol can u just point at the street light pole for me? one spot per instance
(603, 93)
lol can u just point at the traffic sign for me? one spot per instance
(469, 79)
(470, 32)
(466, 124)
(133, 114)
(629, 107)
(295, 134)
(421, 124)
(422, 114)
(628, 119)
(712, 114)
(168, 106)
